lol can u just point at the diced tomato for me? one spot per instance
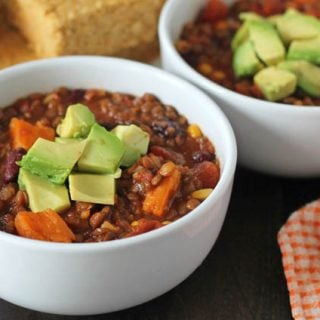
(243, 87)
(271, 7)
(168, 154)
(160, 152)
(214, 11)
(256, 92)
(206, 174)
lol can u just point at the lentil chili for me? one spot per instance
(205, 44)
(172, 142)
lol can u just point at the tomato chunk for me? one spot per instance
(206, 174)
(214, 10)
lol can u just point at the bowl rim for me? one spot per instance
(166, 44)
(225, 179)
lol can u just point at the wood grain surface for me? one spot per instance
(242, 278)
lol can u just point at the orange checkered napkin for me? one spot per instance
(299, 241)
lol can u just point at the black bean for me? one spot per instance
(159, 128)
(11, 169)
(200, 156)
(74, 96)
(166, 128)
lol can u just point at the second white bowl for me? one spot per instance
(272, 137)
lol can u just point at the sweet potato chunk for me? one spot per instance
(157, 200)
(24, 134)
(144, 225)
(46, 225)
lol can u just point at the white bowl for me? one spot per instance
(79, 279)
(272, 137)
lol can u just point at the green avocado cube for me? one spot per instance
(117, 174)
(249, 16)
(67, 140)
(51, 160)
(265, 39)
(245, 61)
(294, 25)
(274, 19)
(136, 142)
(307, 73)
(93, 188)
(241, 36)
(77, 122)
(266, 42)
(102, 153)
(308, 50)
(275, 84)
(42, 193)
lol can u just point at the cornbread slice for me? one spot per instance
(101, 27)
(13, 47)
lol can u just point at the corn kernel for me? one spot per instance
(166, 222)
(201, 194)
(194, 131)
(134, 223)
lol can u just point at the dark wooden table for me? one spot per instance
(242, 278)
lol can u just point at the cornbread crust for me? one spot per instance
(102, 27)
(143, 52)
(13, 47)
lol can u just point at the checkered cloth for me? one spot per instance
(299, 241)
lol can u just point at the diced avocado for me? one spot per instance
(245, 61)
(94, 188)
(117, 174)
(307, 73)
(130, 157)
(249, 16)
(308, 50)
(67, 140)
(103, 151)
(291, 12)
(297, 26)
(273, 19)
(51, 160)
(136, 143)
(241, 36)
(42, 193)
(266, 42)
(77, 122)
(275, 84)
